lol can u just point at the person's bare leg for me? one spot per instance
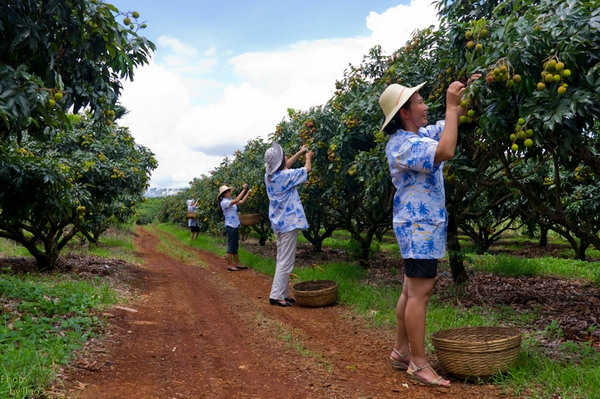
(418, 293)
(401, 343)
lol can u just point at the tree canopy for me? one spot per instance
(65, 166)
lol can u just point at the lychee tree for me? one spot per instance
(79, 180)
(56, 58)
(60, 55)
(112, 167)
(539, 101)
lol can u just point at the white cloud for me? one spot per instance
(394, 27)
(192, 108)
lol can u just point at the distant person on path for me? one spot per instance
(286, 214)
(232, 223)
(193, 224)
(415, 154)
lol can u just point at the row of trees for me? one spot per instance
(528, 154)
(66, 167)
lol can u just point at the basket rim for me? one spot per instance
(470, 345)
(249, 215)
(512, 330)
(330, 286)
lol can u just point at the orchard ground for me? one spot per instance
(202, 332)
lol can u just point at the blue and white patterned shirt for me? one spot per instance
(285, 208)
(230, 212)
(193, 222)
(419, 219)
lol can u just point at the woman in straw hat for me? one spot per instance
(286, 214)
(415, 153)
(232, 223)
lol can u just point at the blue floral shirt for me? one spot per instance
(230, 212)
(285, 208)
(419, 219)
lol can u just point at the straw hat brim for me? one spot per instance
(393, 98)
(222, 189)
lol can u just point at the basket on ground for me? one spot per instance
(315, 293)
(249, 219)
(469, 352)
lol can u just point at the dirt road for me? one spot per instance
(203, 332)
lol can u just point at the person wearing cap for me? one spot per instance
(286, 214)
(232, 223)
(193, 224)
(416, 153)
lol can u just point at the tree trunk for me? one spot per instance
(366, 247)
(317, 239)
(543, 236)
(583, 246)
(47, 259)
(457, 266)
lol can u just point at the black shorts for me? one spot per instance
(195, 229)
(424, 268)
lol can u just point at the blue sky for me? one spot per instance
(220, 63)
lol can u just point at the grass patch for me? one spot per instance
(44, 320)
(116, 243)
(10, 249)
(571, 375)
(546, 266)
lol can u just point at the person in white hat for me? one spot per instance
(286, 214)
(193, 223)
(415, 153)
(232, 223)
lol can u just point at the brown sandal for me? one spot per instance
(398, 364)
(435, 382)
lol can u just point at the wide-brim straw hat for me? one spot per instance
(222, 189)
(273, 158)
(393, 98)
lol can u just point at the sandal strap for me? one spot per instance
(416, 369)
(400, 355)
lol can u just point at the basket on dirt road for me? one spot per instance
(315, 293)
(469, 352)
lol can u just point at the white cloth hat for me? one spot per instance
(393, 98)
(273, 158)
(189, 202)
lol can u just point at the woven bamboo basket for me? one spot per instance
(315, 293)
(249, 219)
(191, 215)
(470, 352)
